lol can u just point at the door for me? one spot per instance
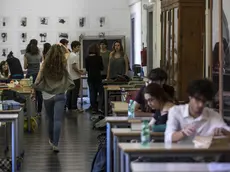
(150, 41)
(132, 60)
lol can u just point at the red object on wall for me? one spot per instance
(144, 57)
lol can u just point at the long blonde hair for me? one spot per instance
(55, 63)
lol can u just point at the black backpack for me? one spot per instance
(99, 161)
(13, 95)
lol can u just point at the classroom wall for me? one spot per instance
(116, 13)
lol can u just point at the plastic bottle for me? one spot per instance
(123, 95)
(145, 133)
(131, 109)
(31, 80)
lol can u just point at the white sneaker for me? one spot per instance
(51, 144)
(55, 149)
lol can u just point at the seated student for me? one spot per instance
(158, 100)
(158, 76)
(4, 69)
(186, 121)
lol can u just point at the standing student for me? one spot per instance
(53, 80)
(4, 69)
(32, 60)
(118, 62)
(94, 66)
(75, 73)
(105, 57)
(46, 48)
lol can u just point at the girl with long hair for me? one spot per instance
(54, 80)
(4, 69)
(118, 62)
(46, 48)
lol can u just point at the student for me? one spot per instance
(186, 121)
(15, 67)
(158, 76)
(65, 42)
(32, 60)
(94, 66)
(158, 100)
(105, 57)
(46, 48)
(75, 73)
(4, 69)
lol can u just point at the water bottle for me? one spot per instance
(131, 109)
(123, 95)
(145, 133)
(31, 80)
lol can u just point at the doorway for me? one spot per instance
(149, 40)
(132, 60)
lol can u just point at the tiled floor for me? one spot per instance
(78, 146)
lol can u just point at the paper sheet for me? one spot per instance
(219, 167)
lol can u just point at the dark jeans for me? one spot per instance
(95, 88)
(72, 95)
(39, 98)
(55, 111)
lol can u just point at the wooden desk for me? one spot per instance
(180, 167)
(108, 88)
(124, 134)
(13, 118)
(165, 150)
(120, 108)
(113, 121)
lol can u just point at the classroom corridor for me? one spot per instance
(78, 146)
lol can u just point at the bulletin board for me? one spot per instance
(86, 41)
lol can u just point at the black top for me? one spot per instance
(14, 66)
(160, 118)
(140, 99)
(94, 66)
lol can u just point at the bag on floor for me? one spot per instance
(5, 164)
(96, 119)
(99, 162)
(100, 125)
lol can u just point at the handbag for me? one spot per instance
(52, 86)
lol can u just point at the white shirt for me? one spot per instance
(73, 59)
(178, 118)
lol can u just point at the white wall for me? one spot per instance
(135, 10)
(116, 12)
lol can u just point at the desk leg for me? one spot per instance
(108, 142)
(17, 137)
(115, 154)
(127, 163)
(28, 111)
(13, 144)
(81, 92)
(106, 101)
(122, 165)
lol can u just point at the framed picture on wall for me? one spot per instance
(23, 22)
(3, 52)
(43, 21)
(4, 21)
(63, 21)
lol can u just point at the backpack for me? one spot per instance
(13, 95)
(99, 161)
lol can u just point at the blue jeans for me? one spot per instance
(55, 111)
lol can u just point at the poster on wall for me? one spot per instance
(63, 35)
(43, 37)
(23, 37)
(23, 22)
(3, 52)
(4, 21)
(43, 21)
(63, 21)
(225, 39)
(3, 37)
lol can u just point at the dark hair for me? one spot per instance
(94, 49)
(32, 47)
(55, 63)
(74, 44)
(64, 41)
(4, 73)
(156, 91)
(201, 87)
(104, 41)
(121, 49)
(157, 74)
(46, 48)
